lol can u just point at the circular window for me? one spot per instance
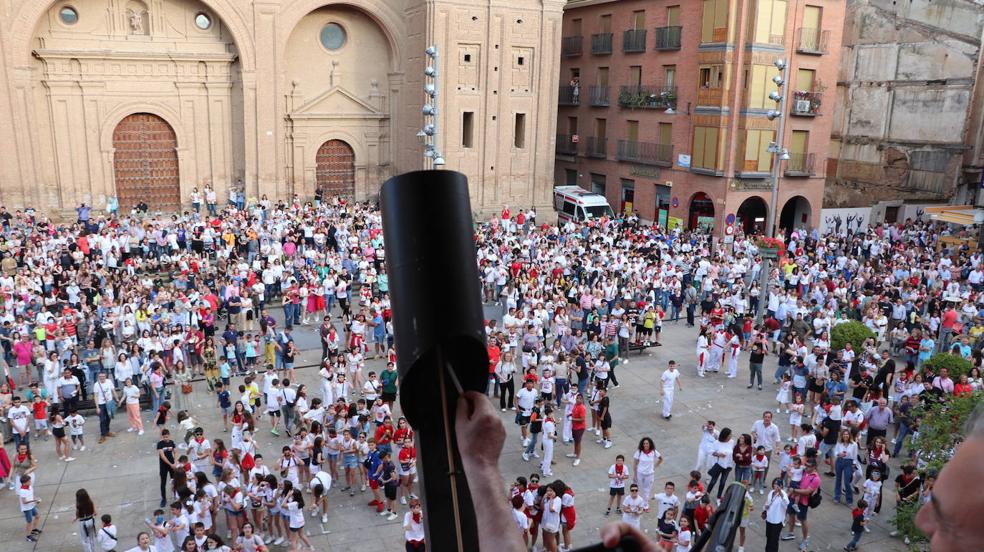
(203, 21)
(68, 15)
(332, 36)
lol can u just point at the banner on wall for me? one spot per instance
(673, 223)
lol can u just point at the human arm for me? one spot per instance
(480, 432)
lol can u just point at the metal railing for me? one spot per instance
(601, 44)
(646, 153)
(800, 164)
(598, 96)
(647, 97)
(569, 95)
(805, 103)
(669, 38)
(566, 144)
(596, 147)
(634, 40)
(777, 40)
(571, 45)
(812, 41)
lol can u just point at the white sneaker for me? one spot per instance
(526, 457)
(536, 454)
(82, 448)
(576, 462)
(403, 500)
(279, 541)
(324, 518)
(69, 459)
(141, 432)
(608, 444)
(741, 549)
(526, 442)
(384, 513)
(391, 517)
(761, 491)
(129, 430)
(75, 446)
(363, 488)
(571, 455)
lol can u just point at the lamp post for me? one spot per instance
(780, 154)
(429, 130)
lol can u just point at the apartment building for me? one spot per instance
(662, 107)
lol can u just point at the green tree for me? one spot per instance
(852, 332)
(956, 364)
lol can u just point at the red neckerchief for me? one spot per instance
(619, 469)
(21, 457)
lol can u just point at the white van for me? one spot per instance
(577, 204)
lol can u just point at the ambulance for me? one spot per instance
(577, 204)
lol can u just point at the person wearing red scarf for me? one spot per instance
(413, 527)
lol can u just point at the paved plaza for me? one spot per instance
(121, 475)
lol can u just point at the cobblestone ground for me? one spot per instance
(121, 475)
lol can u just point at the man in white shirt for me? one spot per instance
(775, 513)
(19, 416)
(106, 536)
(525, 398)
(633, 506)
(105, 393)
(671, 381)
(200, 451)
(765, 434)
(68, 391)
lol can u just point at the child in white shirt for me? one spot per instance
(75, 423)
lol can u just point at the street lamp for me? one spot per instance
(780, 154)
(429, 130)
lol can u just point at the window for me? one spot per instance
(606, 23)
(811, 17)
(710, 76)
(770, 22)
(632, 131)
(570, 208)
(757, 156)
(570, 177)
(760, 85)
(673, 16)
(332, 36)
(669, 75)
(68, 15)
(639, 20)
(714, 21)
(572, 125)
(467, 58)
(602, 76)
(519, 131)
(635, 75)
(798, 141)
(598, 183)
(520, 60)
(665, 133)
(575, 27)
(601, 128)
(805, 79)
(705, 150)
(203, 21)
(467, 123)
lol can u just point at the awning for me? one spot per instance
(965, 215)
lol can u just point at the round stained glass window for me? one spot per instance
(332, 36)
(203, 21)
(68, 15)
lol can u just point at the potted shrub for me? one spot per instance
(956, 364)
(852, 332)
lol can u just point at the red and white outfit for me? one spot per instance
(734, 346)
(718, 342)
(703, 355)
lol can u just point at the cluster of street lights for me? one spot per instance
(429, 131)
(782, 154)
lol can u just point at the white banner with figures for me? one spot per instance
(842, 221)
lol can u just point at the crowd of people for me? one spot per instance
(134, 313)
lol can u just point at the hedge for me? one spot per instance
(957, 364)
(851, 332)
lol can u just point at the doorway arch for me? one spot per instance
(795, 215)
(335, 170)
(145, 163)
(701, 212)
(752, 215)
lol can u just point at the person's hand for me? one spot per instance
(480, 432)
(612, 533)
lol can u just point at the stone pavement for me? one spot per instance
(121, 475)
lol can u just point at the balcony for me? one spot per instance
(805, 103)
(812, 41)
(571, 46)
(634, 40)
(668, 38)
(647, 97)
(569, 95)
(567, 144)
(598, 96)
(777, 40)
(645, 153)
(596, 147)
(601, 44)
(800, 164)
(710, 96)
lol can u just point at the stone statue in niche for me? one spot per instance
(136, 20)
(334, 74)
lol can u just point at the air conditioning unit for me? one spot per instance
(802, 106)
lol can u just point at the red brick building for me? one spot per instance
(663, 103)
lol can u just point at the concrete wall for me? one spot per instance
(907, 89)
